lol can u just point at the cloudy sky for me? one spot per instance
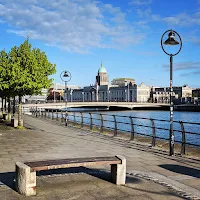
(125, 34)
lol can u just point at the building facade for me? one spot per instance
(121, 90)
(162, 94)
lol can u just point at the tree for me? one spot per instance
(27, 72)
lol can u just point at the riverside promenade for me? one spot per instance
(151, 173)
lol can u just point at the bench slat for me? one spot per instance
(73, 162)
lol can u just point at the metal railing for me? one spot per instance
(156, 129)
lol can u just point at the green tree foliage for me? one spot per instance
(25, 71)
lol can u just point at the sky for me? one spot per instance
(125, 34)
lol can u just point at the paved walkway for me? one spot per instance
(151, 174)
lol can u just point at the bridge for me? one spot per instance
(107, 105)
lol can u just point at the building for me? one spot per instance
(123, 81)
(102, 73)
(121, 90)
(162, 94)
(143, 93)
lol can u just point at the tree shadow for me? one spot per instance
(182, 170)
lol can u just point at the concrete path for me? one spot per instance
(151, 174)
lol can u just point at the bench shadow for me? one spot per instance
(182, 170)
(98, 173)
(8, 178)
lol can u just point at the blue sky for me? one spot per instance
(125, 34)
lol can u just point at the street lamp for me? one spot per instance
(172, 42)
(65, 77)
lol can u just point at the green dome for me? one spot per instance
(102, 69)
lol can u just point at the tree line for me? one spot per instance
(24, 70)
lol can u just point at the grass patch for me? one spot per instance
(21, 127)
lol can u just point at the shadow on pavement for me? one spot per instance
(8, 178)
(182, 170)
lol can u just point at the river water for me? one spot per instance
(160, 115)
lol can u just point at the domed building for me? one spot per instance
(102, 73)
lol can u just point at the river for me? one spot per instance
(160, 115)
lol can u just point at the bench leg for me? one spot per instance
(25, 180)
(118, 172)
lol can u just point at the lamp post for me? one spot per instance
(128, 90)
(172, 42)
(65, 77)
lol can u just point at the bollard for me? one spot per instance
(115, 130)
(132, 129)
(183, 138)
(153, 133)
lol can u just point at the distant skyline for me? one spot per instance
(125, 34)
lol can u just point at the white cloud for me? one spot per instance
(140, 2)
(75, 25)
(191, 73)
(184, 65)
(183, 19)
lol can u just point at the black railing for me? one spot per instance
(156, 129)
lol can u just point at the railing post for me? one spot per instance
(61, 116)
(66, 118)
(132, 129)
(183, 138)
(57, 114)
(115, 130)
(153, 133)
(36, 114)
(90, 121)
(52, 113)
(81, 119)
(74, 118)
(45, 113)
(101, 130)
(42, 113)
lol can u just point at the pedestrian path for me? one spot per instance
(152, 173)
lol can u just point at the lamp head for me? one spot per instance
(171, 39)
(65, 74)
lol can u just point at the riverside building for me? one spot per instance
(120, 90)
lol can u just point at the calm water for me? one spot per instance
(178, 116)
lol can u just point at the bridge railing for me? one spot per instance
(186, 133)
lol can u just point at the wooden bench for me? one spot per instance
(26, 172)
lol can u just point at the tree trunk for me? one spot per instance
(20, 111)
(13, 107)
(2, 105)
(5, 103)
(9, 108)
